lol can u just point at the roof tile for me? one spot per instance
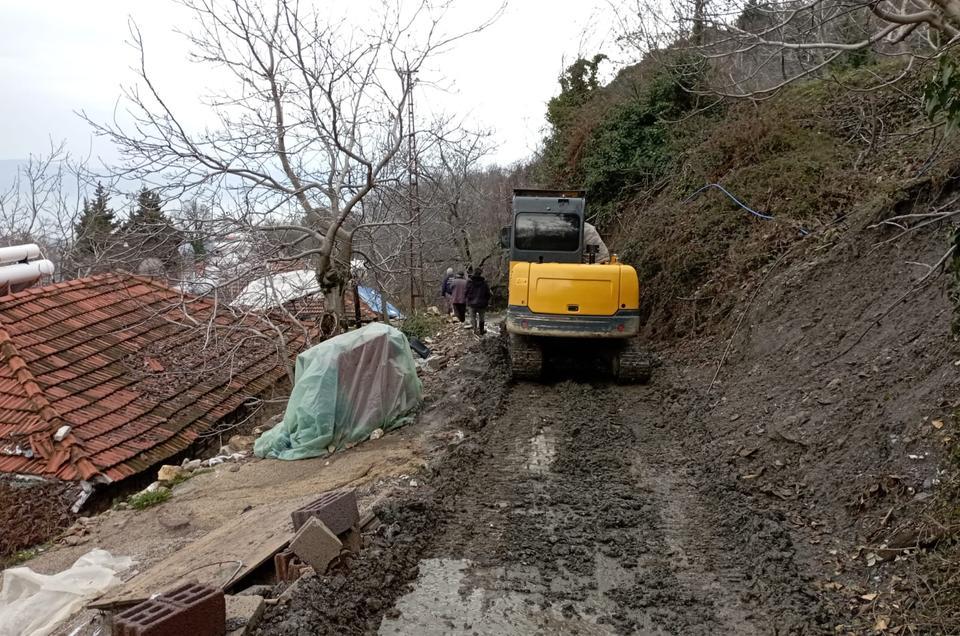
(117, 359)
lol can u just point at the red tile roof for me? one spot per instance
(135, 369)
(313, 307)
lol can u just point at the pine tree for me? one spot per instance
(148, 232)
(94, 231)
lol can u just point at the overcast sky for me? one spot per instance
(60, 56)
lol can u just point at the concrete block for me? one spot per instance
(190, 608)
(316, 545)
(243, 614)
(352, 539)
(336, 509)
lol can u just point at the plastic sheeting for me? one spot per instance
(344, 389)
(277, 289)
(33, 604)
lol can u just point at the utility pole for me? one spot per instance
(413, 194)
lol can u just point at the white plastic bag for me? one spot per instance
(33, 604)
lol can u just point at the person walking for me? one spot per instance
(478, 298)
(458, 296)
(445, 291)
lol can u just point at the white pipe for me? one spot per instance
(16, 253)
(25, 272)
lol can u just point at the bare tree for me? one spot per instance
(43, 202)
(311, 123)
(451, 173)
(756, 47)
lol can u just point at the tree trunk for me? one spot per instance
(333, 302)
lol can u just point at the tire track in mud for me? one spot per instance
(572, 510)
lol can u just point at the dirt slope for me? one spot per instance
(847, 439)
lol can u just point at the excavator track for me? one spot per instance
(632, 364)
(526, 358)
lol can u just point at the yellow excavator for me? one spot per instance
(565, 290)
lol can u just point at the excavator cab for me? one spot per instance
(565, 289)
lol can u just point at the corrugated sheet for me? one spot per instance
(133, 367)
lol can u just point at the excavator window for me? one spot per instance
(546, 232)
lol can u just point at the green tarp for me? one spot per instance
(346, 388)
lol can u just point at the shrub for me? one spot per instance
(144, 500)
(421, 325)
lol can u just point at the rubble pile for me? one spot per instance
(23, 523)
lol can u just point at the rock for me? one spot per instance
(376, 434)
(241, 443)
(74, 540)
(435, 363)
(243, 613)
(234, 468)
(174, 520)
(433, 310)
(316, 545)
(192, 464)
(168, 473)
(834, 384)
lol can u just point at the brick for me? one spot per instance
(336, 509)
(190, 608)
(288, 566)
(316, 544)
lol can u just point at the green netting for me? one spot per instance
(346, 388)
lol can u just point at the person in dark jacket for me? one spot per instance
(458, 296)
(478, 298)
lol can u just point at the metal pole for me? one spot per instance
(413, 192)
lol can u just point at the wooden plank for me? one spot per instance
(216, 559)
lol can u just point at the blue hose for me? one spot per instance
(743, 205)
(759, 215)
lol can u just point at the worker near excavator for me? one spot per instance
(478, 298)
(592, 237)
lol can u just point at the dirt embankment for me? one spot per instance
(845, 425)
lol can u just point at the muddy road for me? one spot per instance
(573, 507)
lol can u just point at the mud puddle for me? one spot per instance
(447, 598)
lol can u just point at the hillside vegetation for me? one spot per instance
(818, 156)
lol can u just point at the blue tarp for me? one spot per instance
(373, 300)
